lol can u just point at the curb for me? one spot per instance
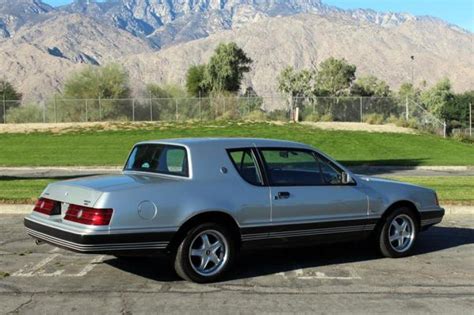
(411, 168)
(25, 209)
(119, 168)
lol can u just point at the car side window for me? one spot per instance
(331, 174)
(245, 163)
(292, 167)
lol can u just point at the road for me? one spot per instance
(347, 278)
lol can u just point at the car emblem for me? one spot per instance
(79, 214)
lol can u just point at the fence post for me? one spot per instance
(470, 119)
(55, 112)
(361, 119)
(406, 109)
(87, 111)
(200, 106)
(44, 113)
(133, 109)
(176, 104)
(100, 110)
(444, 129)
(4, 108)
(151, 109)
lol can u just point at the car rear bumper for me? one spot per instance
(155, 243)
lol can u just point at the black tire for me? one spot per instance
(394, 249)
(185, 266)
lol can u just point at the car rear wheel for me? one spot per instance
(398, 233)
(205, 253)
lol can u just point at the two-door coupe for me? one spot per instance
(201, 200)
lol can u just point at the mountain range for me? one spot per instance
(157, 40)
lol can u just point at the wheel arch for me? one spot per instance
(214, 216)
(396, 205)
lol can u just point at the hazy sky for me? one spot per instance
(460, 12)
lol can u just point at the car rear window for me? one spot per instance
(159, 158)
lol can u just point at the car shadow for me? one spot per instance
(377, 167)
(271, 261)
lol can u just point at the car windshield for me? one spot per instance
(158, 158)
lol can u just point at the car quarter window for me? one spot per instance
(158, 158)
(246, 164)
(292, 167)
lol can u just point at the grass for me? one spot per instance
(451, 190)
(19, 191)
(4, 274)
(95, 147)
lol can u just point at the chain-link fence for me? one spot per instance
(374, 110)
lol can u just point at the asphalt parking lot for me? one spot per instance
(345, 278)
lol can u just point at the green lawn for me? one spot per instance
(451, 190)
(22, 190)
(96, 147)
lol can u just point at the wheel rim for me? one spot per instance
(208, 253)
(401, 233)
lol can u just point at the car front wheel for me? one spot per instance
(205, 253)
(398, 234)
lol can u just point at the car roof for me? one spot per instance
(228, 142)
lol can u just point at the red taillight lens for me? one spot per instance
(45, 206)
(89, 216)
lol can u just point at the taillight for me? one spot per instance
(89, 216)
(47, 206)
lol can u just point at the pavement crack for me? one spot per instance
(17, 310)
(125, 309)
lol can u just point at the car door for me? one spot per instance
(308, 193)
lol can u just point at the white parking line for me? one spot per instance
(37, 270)
(322, 276)
(319, 275)
(88, 268)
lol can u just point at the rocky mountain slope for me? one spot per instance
(305, 40)
(158, 40)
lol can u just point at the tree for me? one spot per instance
(107, 82)
(438, 99)
(335, 77)
(226, 68)
(99, 91)
(408, 91)
(8, 91)
(297, 83)
(370, 86)
(457, 112)
(196, 81)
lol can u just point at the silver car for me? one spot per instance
(200, 201)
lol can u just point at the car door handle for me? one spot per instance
(282, 195)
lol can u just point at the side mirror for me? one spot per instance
(346, 178)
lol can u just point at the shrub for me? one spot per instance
(256, 115)
(462, 137)
(279, 115)
(373, 119)
(393, 120)
(327, 117)
(312, 117)
(25, 114)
